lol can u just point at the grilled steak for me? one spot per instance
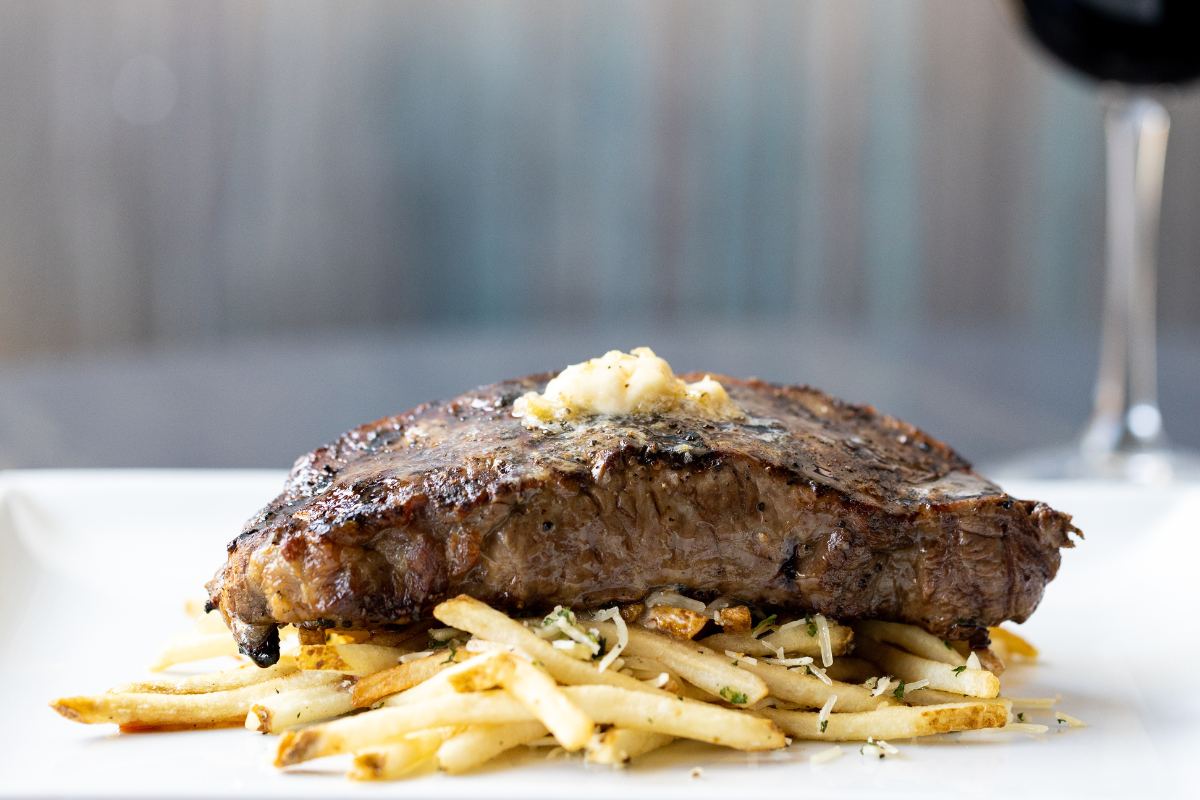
(808, 504)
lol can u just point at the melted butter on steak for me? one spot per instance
(806, 503)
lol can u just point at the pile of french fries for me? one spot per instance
(612, 685)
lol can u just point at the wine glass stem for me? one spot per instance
(1126, 418)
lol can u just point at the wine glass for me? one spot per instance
(1137, 48)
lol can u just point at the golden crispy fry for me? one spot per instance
(481, 743)
(734, 619)
(670, 715)
(794, 641)
(1008, 644)
(535, 689)
(276, 713)
(617, 746)
(373, 688)
(681, 622)
(933, 697)
(694, 662)
(352, 659)
(215, 708)
(894, 722)
(605, 704)
(193, 646)
(799, 687)
(224, 681)
(396, 759)
(910, 668)
(468, 614)
(372, 728)
(910, 638)
(852, 670)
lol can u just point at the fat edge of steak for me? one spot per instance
(716, 518)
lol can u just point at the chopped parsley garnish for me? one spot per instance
(434, 644)
(1021, 717)
(812, 626)
(559, 613)
(948, 647)
(453, 653)
(824, 725)
(734, 663)
(959, 670)
(762, 626)
(733, 696)
(899, 691)
(603, 642)
(808, 669)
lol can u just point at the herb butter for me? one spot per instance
(622, 384)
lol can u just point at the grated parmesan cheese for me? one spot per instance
(622, 640)
(973, 662)
(825, 756)
(743, 657)
(912, 687)
(881, 686)
(801, 661)
(787, 626)
(825, 709)
(407, 657)
(1068, 720)
(823, 639)
(820, 673)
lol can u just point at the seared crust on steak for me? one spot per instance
(810, 504)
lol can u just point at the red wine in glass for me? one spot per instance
(1134, 47)
(1128, 41)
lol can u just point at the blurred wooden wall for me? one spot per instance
(204, 170)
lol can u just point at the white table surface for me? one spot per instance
(95, 567)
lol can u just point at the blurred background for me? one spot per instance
(230, 230)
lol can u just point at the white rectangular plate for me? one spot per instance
(95, 567)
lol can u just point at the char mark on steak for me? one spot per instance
(809, 504)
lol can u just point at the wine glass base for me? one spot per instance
(1145, 467)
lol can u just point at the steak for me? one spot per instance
(808, 504)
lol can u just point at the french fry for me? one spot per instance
(933, 697)
(734, 619)
(214, 709)
(910, 638)
(276, 713)
(694, 662)
(894, 722)
(794, 641)
(224, 681)
(617, 746)
(481, 743)
(351, 659)
(399, 758)
(192, 646)
(807, 690)
(535, 690)
(1008, 644)
(605, 704)
(373, 688)
(852, 670)
(468, 614)
(680, 718)
(910, 668)
(681, 622)
(350, 734)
